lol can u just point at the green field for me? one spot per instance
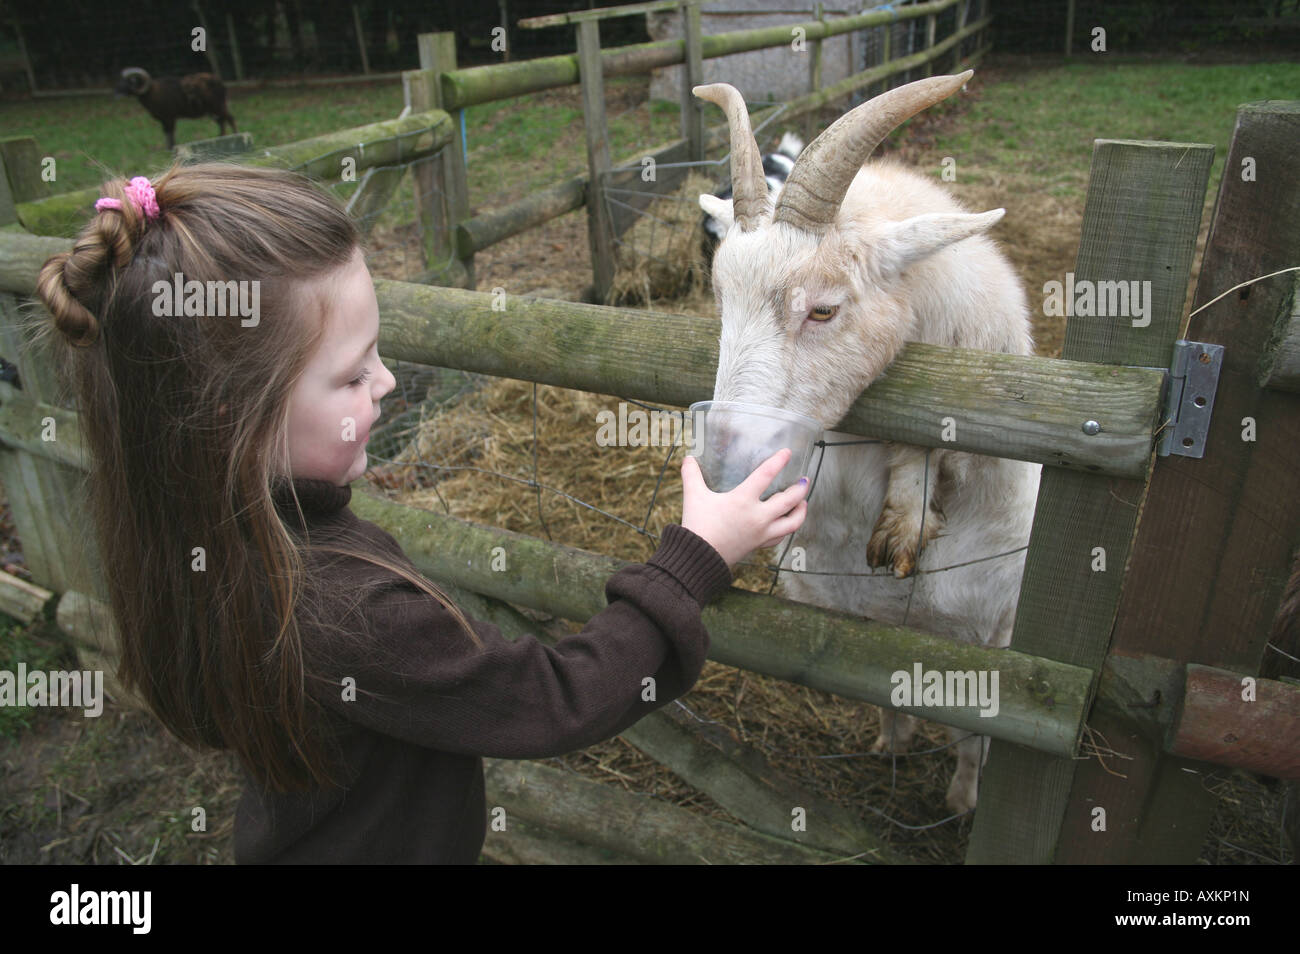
(1044, 120)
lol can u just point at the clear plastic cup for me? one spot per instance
(731, 439)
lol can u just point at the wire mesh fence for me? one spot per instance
(531, 490)
(651, 236)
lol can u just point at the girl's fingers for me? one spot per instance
(793, 520)
(786, 525)
(786, 499)
(764, 472)
(691, 476)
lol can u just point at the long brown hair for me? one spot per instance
(187, 420)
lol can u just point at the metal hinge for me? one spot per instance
(1189, 400)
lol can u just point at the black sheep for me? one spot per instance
(168, 99)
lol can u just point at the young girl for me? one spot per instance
(255, 611)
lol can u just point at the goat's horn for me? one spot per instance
(748, 185)
(823, 172)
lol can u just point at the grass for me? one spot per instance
(92, 137)
(40, 648)
(108, 789)
(89, 134)
(538, 140)
(1046, 120)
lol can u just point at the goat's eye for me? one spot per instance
(823, 312)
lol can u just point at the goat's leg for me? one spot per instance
(896, 730)
(911, 516)
(972, 752)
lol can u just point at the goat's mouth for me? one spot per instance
(732, 439)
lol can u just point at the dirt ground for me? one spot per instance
(119, 790)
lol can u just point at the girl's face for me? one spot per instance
(336, 401)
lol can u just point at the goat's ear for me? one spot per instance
(904, 243)
(720, 209)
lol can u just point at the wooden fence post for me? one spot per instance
(22, 167)
(1140, 222)
(234, 47)
(22, 52)
(441, 184)
(46, 498)
(885, 57)
(929, 42)
(208, 39)
(692, 76)
(815, 76)
(361, 40)
(600, 232)
(1206, 590)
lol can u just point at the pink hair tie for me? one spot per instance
(140, 191)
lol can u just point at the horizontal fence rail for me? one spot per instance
(375, 144)
(482, 84)
(1042, 703)
(1027, 408)
(488, 228)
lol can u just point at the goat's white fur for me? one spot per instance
(904, 262)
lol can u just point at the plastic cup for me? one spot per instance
(731, 439)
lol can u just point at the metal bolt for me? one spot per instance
(1091, 427)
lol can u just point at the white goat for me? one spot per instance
(817, 296)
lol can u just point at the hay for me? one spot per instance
(661, 255)
(473, 460)
(814, 737)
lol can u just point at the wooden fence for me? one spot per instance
(1065, 666)
(1147, 655)
(452, 235)
(456, 89)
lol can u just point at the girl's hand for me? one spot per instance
(737, 523)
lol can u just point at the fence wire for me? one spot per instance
(534, 484)
(499, 132)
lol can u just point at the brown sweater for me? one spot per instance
(429, 705)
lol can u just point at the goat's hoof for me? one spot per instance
(884, 743)
(896, 731)
(897, 540)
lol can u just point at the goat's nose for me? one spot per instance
(722, 437)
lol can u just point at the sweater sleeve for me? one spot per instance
(420, 678)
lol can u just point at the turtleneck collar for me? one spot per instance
(319, 497)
